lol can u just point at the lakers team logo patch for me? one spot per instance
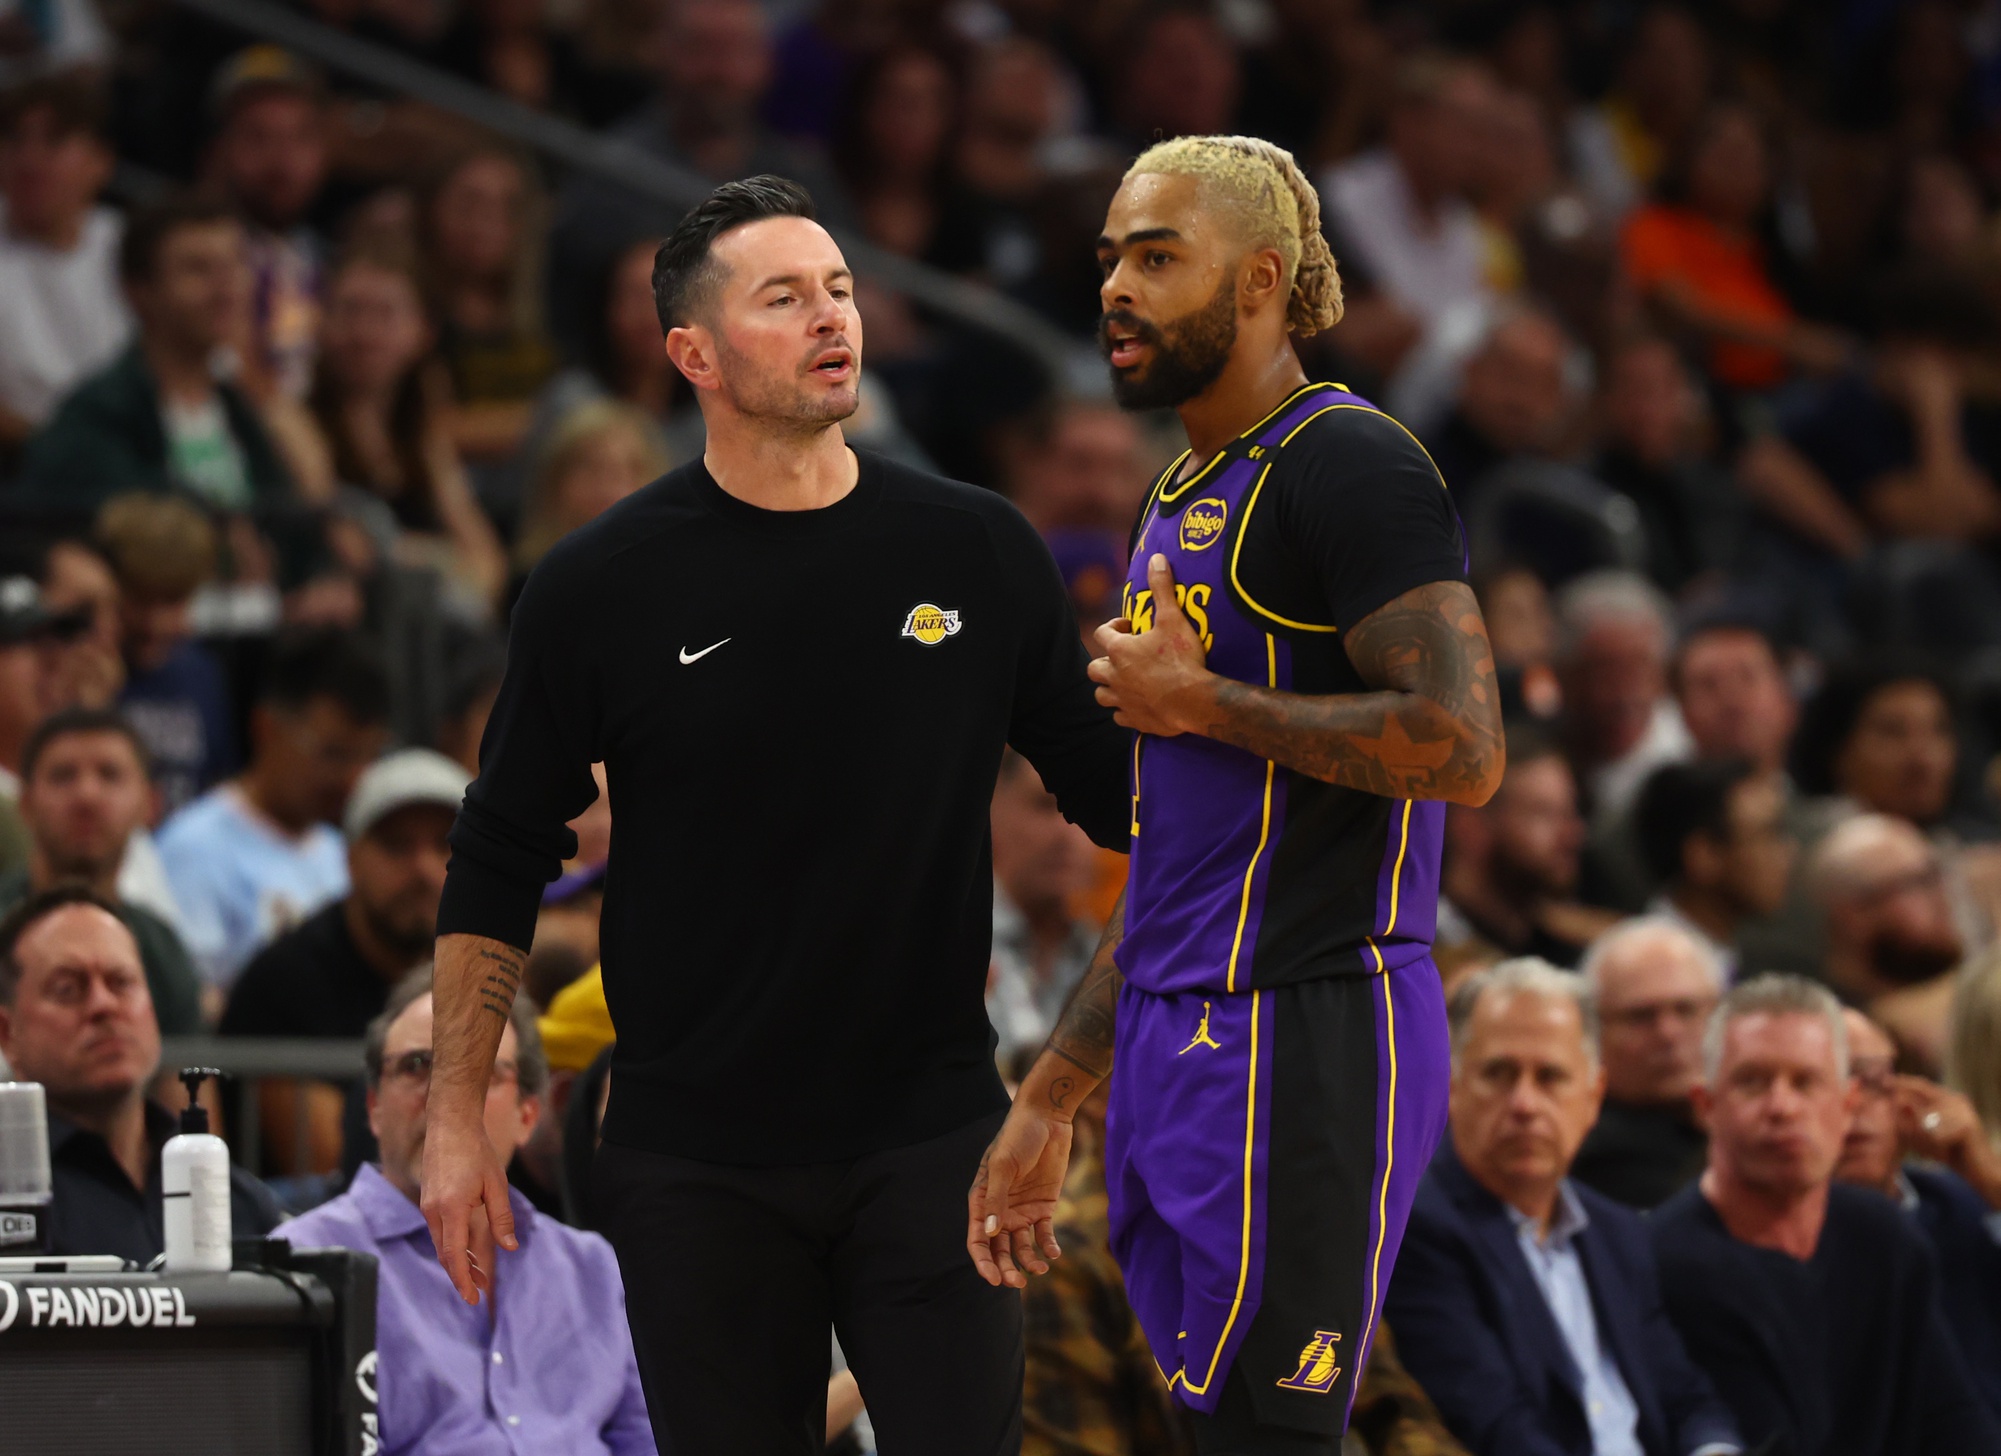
(1202, 524)
(1318, 1367)
(930, 625)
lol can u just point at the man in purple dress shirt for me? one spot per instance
(546, 1365)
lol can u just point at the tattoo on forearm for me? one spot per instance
(502, 981)
(1432, 730)
(1083, 1035)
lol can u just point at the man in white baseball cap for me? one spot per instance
(331, 974)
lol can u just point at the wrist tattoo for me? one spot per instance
(501, 983)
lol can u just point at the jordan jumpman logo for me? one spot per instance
(1202, 1037)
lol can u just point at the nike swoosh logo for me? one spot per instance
(688, 657)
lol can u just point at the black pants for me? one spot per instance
(1235, 1430)
(733, 1275)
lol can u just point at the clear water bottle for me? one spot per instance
(24, 1169)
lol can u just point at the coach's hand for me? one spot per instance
(1011, 1210)
(465, 1200)
(1153, 672)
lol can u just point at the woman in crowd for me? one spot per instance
(598, 455)
(479, 223)
(893, 146)
(384, 403)
(1697, 255)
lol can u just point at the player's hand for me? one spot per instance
(1154, 678)
(465, 1202)
(1011, 1210)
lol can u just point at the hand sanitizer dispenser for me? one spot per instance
(194, 1185)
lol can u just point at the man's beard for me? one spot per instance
(760, 396)
(1188, 355)
(410, 935)
(1904, 962)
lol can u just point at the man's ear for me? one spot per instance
(1261, 279)
(691, 348)
(531, 1114)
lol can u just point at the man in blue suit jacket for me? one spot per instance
(1526, 1305)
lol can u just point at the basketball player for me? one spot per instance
(800, 665)
(1311, 682)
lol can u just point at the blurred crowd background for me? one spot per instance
(1695, 306)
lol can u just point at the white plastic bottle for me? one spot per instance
(194, 1186)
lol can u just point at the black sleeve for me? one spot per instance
(1366, 515)
(1951, 1416)
(513, 833)
(1057, 724)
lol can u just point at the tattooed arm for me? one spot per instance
(1430, 730)
(1011, 1209)
(465, 1188)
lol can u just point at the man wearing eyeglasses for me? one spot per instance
(547, 1363)
(1657, 980)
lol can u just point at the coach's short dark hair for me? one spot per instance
(327, 664)
(71, 721)
(149, 227)
(684, 278)
(31, 912)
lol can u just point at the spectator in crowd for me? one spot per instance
(1511, 866)
(468, 703)
(1695, 516)
(1891, 943)
(1402, 212)
(549, 1363)
(714, 61)
(1176, 74)
(516, 48)
(75, 1016)
(1664, 79)
(331, 974)
(1083, 466)
(1614, 630)
(77, 586)
(269, 160)
(1043, 867)
(1813, 1306)
(892, 146)
(158, 418)
(84, 794)
(61, 316)
(1515, 402)
(1696, 256)
(384, 404)
(256, 855)
(1973, 1056)
(162, 550)
(1523, 631)
(1712, 833)
(1528, 1305)
(27, 695)
(1910, 444)
(1656, 982)
(598, 455)
(480, 221)
(1733, 695)
(1952, 1197)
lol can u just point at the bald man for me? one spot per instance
(1892, 941)
(1657, 981)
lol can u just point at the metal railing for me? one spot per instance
(620, 163)
(252, 1060)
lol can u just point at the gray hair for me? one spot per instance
(531, 1063)
(1773, 995)
(1610, 595)
(1624, 936)
(1524, 976)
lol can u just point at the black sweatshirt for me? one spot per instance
(801, 716)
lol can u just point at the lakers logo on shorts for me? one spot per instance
(930, 625)
(1317, 1370)
(1202, 524)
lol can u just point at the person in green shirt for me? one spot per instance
(158, 417)
(84, 790)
